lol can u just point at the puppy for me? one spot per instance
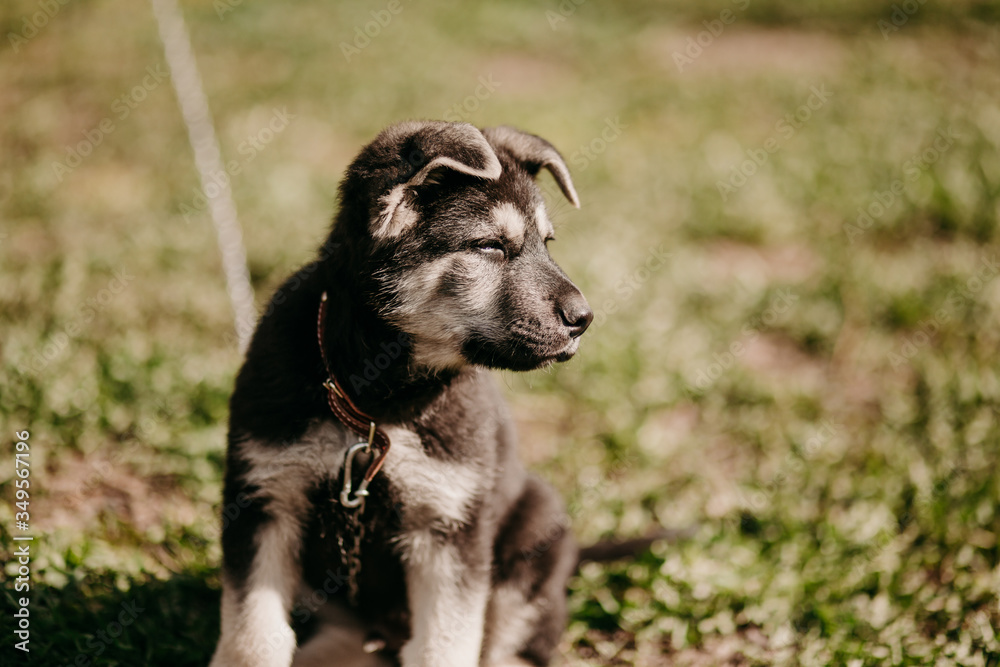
(375, 511)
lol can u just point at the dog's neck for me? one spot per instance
(371, 359)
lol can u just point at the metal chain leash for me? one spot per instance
(350, 554)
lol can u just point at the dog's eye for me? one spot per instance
(491, 247)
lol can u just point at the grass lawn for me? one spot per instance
(789, 234)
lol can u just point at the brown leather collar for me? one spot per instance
(344, 409)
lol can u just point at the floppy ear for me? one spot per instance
(425, 147)
(534, 153)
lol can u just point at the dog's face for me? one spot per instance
(458, 246)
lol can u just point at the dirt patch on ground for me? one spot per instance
(542, 424)
(79, 490)
(781, 359)
(745, 51)
(744, 648)
(516, 74)
(790, 263)
(747, 646)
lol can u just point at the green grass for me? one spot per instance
(815, 406)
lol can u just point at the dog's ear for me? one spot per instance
(425, 148)
(534, 153)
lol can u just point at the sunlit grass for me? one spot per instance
(809, 397)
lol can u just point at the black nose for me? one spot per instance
(576, 314)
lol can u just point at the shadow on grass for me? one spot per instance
(102, 620)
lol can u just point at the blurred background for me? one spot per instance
(788, 233)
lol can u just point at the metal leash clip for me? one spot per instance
(359, 496)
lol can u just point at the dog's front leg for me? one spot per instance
(255, 608)
(448, 591)
(266, 508)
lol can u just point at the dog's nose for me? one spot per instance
(576, 314)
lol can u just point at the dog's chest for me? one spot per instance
(431, 491)
(417, 494)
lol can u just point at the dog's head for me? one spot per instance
(456, 234)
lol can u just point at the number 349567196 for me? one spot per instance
(22, 469)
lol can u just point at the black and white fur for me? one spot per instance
(437, 270)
